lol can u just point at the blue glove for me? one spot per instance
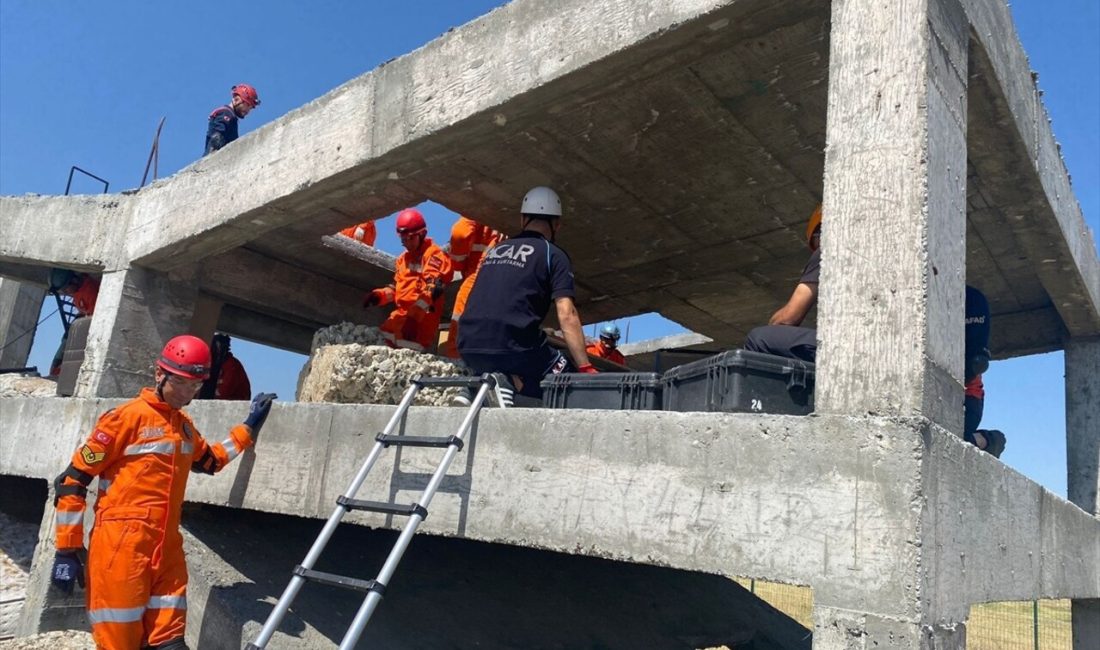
(257, 413)
(67, 569)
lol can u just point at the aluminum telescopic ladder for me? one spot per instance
(416, 511)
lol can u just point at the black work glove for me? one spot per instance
(68, 568)
(257, 412)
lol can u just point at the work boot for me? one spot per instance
(994, 441)
(504, 392)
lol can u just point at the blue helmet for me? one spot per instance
(610, 332)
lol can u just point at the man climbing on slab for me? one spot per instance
(143, 452)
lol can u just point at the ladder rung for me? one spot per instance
(385, 508)
(449, 382)
(340, 581)
(419, 441)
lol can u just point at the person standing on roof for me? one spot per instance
(221, 127)
(607, 345)
(364, 233)
(227, 380)
(422, 273)
(518, 281)
(83, 290)
(143, 452)
(784, 337)
(469, 241)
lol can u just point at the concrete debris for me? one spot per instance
(17, 541)
(64, 640)
(16, 385)
(373, 374)
(346, 332)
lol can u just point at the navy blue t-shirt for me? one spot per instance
(221, 129)
(518, 281)
(977, 322)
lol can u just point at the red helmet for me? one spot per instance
(187, 356)
(410, 221)
(247, 94)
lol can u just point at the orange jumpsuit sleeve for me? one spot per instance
(592, 350)
(211, 458)
(102, 448)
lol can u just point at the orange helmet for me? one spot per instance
(811, 226)
(410, 222)
(187, 356)
(247, 94)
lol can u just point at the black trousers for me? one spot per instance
(784, 341)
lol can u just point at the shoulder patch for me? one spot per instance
(102, 437)
(91, 457)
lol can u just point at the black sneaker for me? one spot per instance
(994, 442)
(465, 397)
(505, 391)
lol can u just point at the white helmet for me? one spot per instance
(541, 202)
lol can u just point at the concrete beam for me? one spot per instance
(828, 501)
(893, 257)
(1082, 359)
(20, 305)
(1051, 224)
(83, 232)
(253, 326)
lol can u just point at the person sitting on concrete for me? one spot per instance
(227, 380)
(422, 273)
(364, 233)
(518, 281)
(976, 363)
(784, 337)
(221, 126)
(607, 345)
(83, 290)
(469, 241)
(143, 452)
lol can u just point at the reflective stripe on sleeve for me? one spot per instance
(167, 602)
(415, 268)
(187, 448)
(70, 517)
(478, 248)
(107, 615)
(103, 485)
(230, 448)
(422, 304)
(162, 447)
(458, 258)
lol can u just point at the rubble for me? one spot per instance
(349, 364)
(17, 541)
(17, 385)
(63, 640)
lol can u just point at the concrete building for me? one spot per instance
(707, 130)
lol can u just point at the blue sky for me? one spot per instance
(86, 83)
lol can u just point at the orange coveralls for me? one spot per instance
(232, 380)
(368, 235)
(414, 323)
(598, 349)
(469, 241)
(142, 452)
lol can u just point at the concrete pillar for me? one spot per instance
(45, 608)
(137, 311)
(892, 300)
(20, 304)
(891, 307)
(1082, 358)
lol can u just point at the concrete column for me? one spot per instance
(1082, 357)
(891, 308)
(137, 311)
(20, 304)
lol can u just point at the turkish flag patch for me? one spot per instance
(102, 438)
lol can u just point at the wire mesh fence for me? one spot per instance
(1030, 625)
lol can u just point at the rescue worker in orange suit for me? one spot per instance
(83, 290)
(221, 126)
(607, 346)
(784, 337)
(422, 272)
(227, 380)
(364, 232)
(142, 451)
(469, 241)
